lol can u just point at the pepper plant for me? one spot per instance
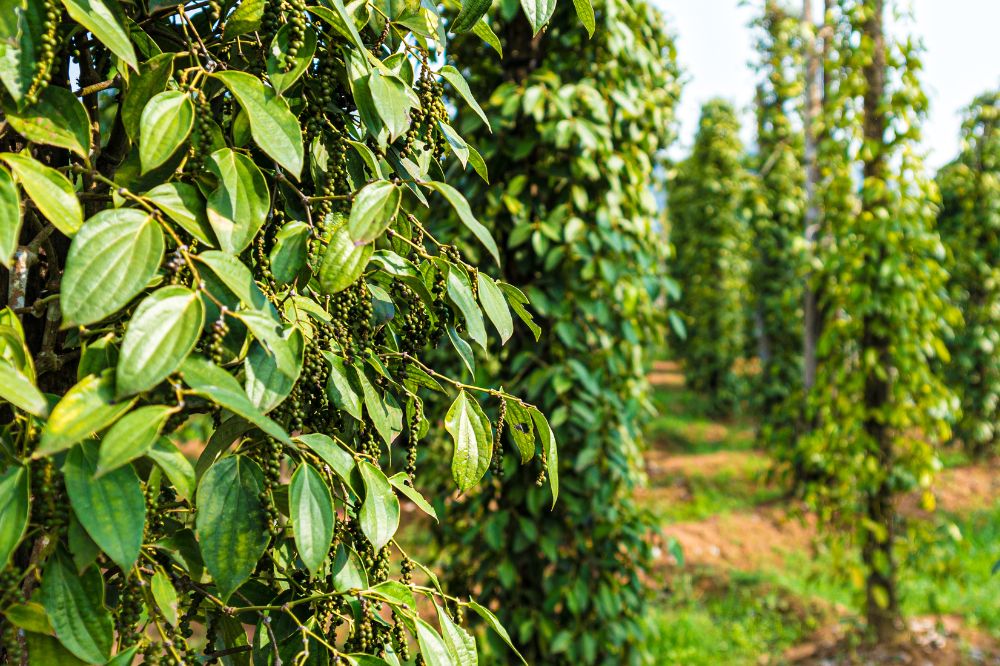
(879, 405)
(579, 130)
(709, 229)
(969, 224)
(207, 214)
(776, 261)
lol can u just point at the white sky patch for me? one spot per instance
(715, 48)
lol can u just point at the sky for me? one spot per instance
(962, 60)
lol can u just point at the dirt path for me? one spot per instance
(765, 535)
(762, 536)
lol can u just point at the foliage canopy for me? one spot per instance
(207, 210)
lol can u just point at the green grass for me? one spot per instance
(735, 622)
(726, 491)
(685, 424)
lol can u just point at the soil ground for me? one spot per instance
(710, 487)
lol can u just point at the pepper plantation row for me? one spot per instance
(864, 289)
(186, 256)
(328, 325)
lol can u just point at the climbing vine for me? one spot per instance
(579, 127)
(709, 230)
(878, 406)
(776, 263)
(969, 224)
(210, 219)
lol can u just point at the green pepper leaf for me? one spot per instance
(311, 506)
(110, 507)
(231, 523)
(379, 514)
(111, 260)
(75, 606)
(473, 436)
(50, 190)
(87, 407)
(273, 126)
(164, 126)
(162, 332)
(14, 503)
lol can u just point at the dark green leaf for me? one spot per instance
(585, 11)
(164, 595)
(10, 218)
(373, 210)
(44, 649)
(458, 82)
(517, 301)
(238, 207)
(461, 207)
(399, 482)
(267, 385)
(379, 514)
(131, 437)
(339, 387)
(98, 18)
(81, 546)
(14, 503)
(492, 300)
(549, 450)
(245, 19)
(460, 293)
(86, 408)
(375, 405)
(485, 33)
(29, 616)
(111, 507)
(464, 350)
(111, 260)
(152, 79)
(175, 465)
(273, 126)
(341, 21)
(50, 190)
(521, 429)
(495, 625)
(348, 571)
(538, 12)
(460, 642)
(343, 262)
(479, 164)
(333, 454)
(231, 523)
(432, 647)
(164, 125)
(221, 440)
(75, 606)
(473, 436)
(290, 250)
(56, 119)
(472, 11)
(213, 383)
(312, 516)
(237, 277)
(281, 77)
(19, 391)
(275, 339)
(393, 100)
(162, 332)
(184, 205)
